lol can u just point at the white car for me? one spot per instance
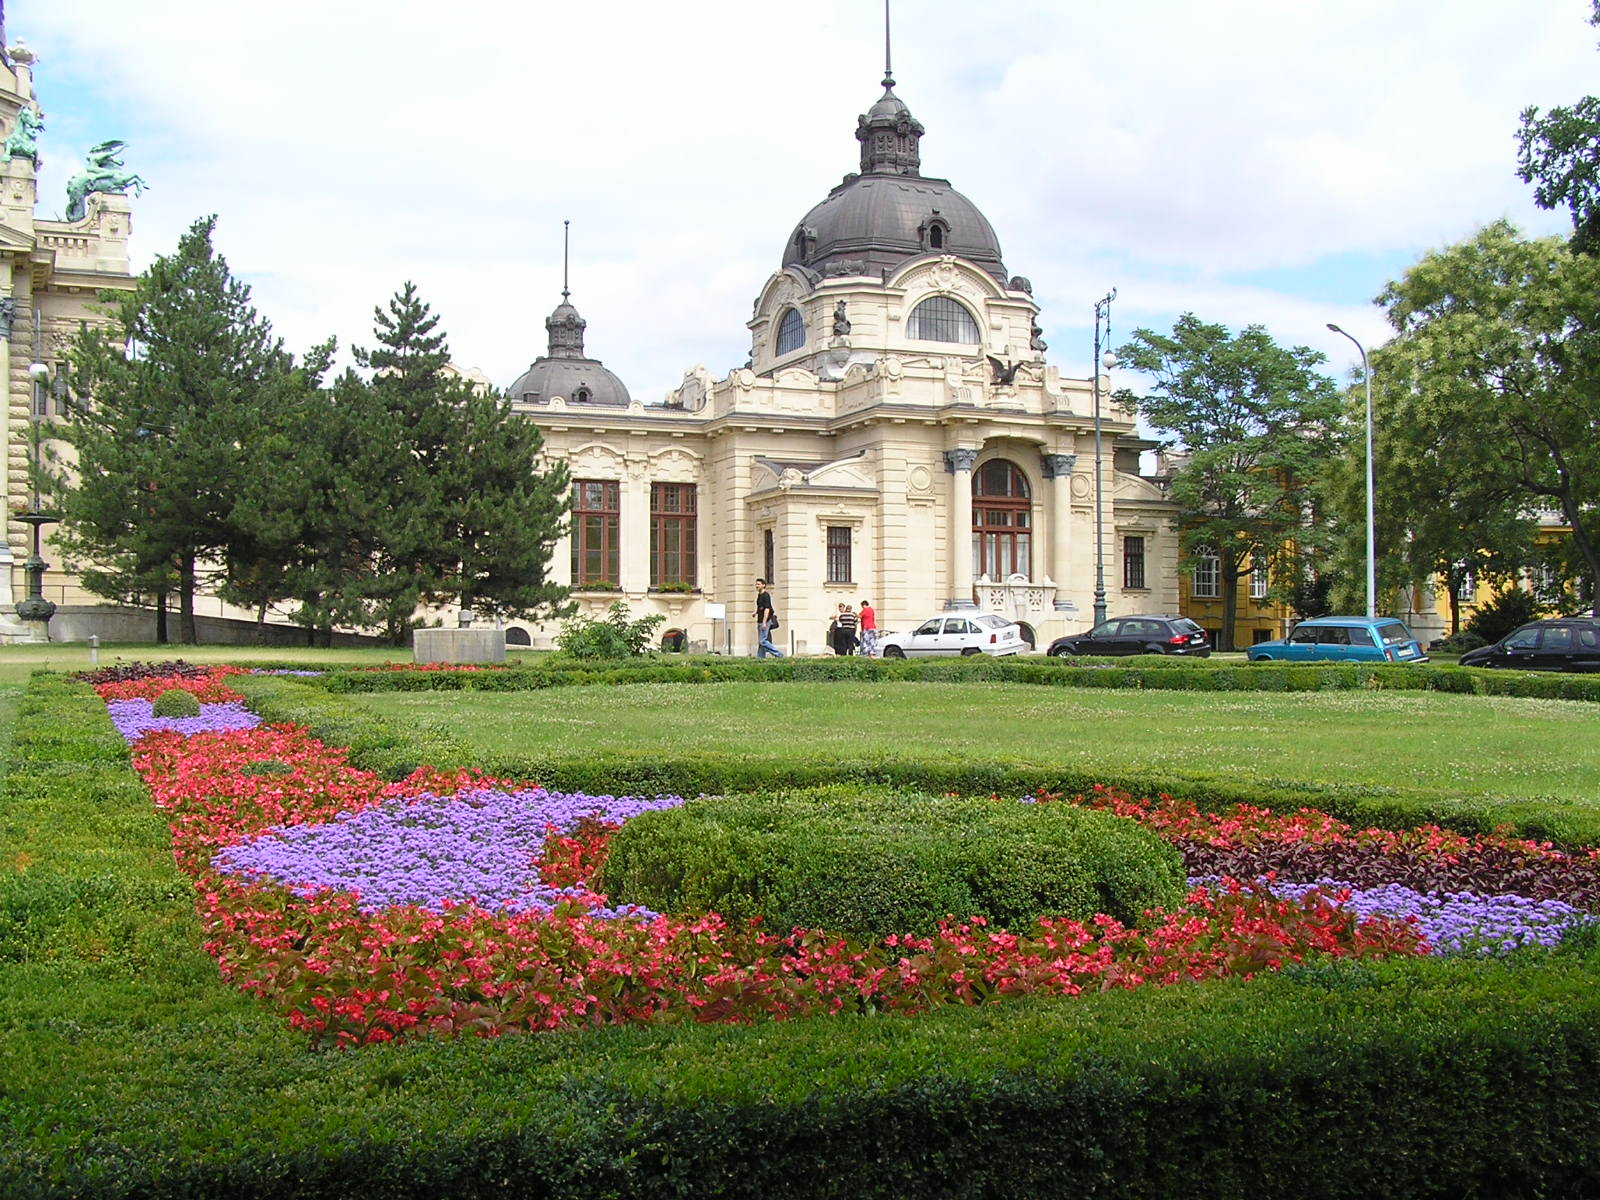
(952, 634)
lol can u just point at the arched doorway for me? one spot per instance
(1002, 521)
(518, 636)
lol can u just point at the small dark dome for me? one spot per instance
(565, 372)
(576, 380)
(871, 223)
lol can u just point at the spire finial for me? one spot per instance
(566, 239)
(888, 71)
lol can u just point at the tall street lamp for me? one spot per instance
(1372, 542)
(1102, 311)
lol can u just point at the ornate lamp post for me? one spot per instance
(1372, 541)
(34, 608)
(1102, 311)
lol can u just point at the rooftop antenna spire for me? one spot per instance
(566, 238)
(888, 71)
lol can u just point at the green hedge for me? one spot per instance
(127, 1069)
(1152, 672)
(876, 862)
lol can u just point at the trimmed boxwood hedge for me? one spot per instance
(128, 1075)
(1153, 672)
(876, 862)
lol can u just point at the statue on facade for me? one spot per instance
(103, 171)
(841, 323)
(1036, 339)
(24, 139)
(1005, 374)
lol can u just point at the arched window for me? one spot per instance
(581, 395)
(941, 319)
(516, 635)
(792, 332)
(1002, 521)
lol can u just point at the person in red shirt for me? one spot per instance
(869, 629)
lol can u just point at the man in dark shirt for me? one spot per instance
(766, 621)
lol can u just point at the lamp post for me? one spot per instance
(1102, 311)
(1372, 541)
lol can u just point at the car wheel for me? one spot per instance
(969, 651)
(893, 652)
(1062, 652)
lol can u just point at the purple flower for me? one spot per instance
(1453, 922)
(479, 845)
(134, 719)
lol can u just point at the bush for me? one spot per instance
(175, 702)
(613, 636)
(875, 862)
(1457, 643)
(1511, 607)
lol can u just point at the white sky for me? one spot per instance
(1252, 161)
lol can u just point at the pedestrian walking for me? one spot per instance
(869, 629)
(766, 622)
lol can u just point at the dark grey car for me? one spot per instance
(1140, 634)
(1557, 644)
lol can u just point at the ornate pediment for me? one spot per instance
(595, 460)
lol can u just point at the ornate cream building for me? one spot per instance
(897, 435)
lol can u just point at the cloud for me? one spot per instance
(1183, 152)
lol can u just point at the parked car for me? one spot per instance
(1136, 635)
(1343, 639)
(952, 634)
(1557, 644)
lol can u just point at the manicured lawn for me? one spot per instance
(1469, 746)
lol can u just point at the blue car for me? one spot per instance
(1343, 639)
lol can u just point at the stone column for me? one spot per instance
(633, 526)
(959, 463)
(1058, 469)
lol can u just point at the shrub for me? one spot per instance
(874, 862)
(613, 636)
(175, 702)
(1510, 608)
(1458, 643)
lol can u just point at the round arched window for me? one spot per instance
(792, 332)
(1002, 521)
(941, 319)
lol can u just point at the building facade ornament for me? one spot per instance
(960, 459)
(1057, 466)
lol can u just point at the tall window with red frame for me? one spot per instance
(596, 532)
(1002, 521)
(672, 534)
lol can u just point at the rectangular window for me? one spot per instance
(769, 556)
(1259, 580)
(1133, 563)
(1467, 588)
(1207, 576)
(839, 554)
(596, 528)
(672, 534)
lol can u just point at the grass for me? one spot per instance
(1467, 746)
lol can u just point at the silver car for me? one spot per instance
(950, 635)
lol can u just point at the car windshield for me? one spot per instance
(1393, 633)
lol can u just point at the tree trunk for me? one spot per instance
(186, 601)
(161, 616)
(261, 624)
(1228, 570)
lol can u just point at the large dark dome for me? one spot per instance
(871, 223)
(890, 212)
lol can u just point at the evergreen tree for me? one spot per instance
(159, 448)
(470, 516)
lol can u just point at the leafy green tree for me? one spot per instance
(1253, 420)
(1493, 380)
(1559, 153)
(174, 382)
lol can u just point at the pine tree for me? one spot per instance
(159, 447)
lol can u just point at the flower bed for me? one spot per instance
(451, 903)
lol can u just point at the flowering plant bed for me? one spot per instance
(449, 903)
